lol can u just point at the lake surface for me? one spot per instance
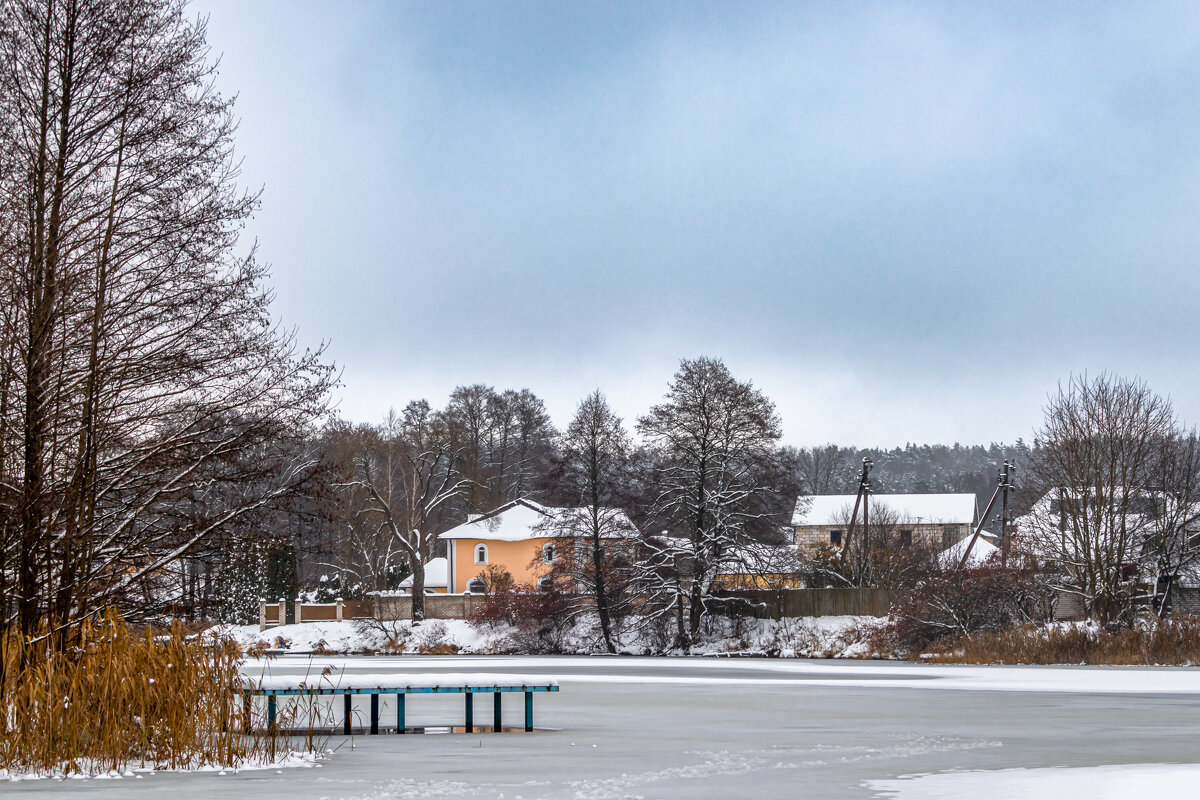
(699, 728)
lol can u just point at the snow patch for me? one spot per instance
(1116, 782)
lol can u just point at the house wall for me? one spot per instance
(516, 557)
(811, 537)
(1185, 600)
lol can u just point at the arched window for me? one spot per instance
(477, 585)
(481, 554)
(545, 585)
(547, 553)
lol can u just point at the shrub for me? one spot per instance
(539, 618)
(960, 602)
(1171, 641)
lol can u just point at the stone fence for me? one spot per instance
(437, 606)
(760, 603)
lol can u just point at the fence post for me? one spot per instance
(339, 609)
(262, 614)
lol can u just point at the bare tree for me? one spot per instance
(712, 437)
(505, 440)
(143, 373)
(405, 485)
(597, 534)
(1095, 468)
(1172, 514)
(827, 469)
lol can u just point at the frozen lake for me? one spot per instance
(698, 728)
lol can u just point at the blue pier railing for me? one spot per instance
(400, 692)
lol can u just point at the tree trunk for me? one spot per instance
(601, 596)
(418, 591)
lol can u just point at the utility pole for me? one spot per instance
(1002, 486)
(1005, 485)
(864, 489)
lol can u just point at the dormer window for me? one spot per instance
(481, 554)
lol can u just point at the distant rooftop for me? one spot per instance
(835, 509)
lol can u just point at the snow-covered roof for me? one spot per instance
(835, 509)
(436, 573)
(951, 557)
(523, 519)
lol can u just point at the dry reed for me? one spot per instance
(117, 700)
(1174, 641)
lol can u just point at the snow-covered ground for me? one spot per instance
(675, 728)
(804, 637)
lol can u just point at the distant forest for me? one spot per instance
(914, 468)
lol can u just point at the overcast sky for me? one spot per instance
(902, 222)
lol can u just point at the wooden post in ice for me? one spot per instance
(262, 614)
(340, 608)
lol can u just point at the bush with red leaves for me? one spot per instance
(540, 618)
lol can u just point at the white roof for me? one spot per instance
(435, 575)
(951, 557)
(835, 509)
(524, 519)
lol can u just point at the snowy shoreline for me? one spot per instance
(805, 637)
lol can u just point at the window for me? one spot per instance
(481, 554)
(545, 585)
(906, 538)
(547, 553)
(835, 537)
(477, 585)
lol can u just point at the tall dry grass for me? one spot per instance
(117, 700)
(1173, 641)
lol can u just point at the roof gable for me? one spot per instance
(519, 520)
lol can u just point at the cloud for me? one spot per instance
(883, 206)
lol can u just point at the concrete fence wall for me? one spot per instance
(778, 603)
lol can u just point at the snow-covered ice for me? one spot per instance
(1117, 782)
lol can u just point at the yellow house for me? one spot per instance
(519, 536)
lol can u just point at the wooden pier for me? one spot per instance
(401, 686)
